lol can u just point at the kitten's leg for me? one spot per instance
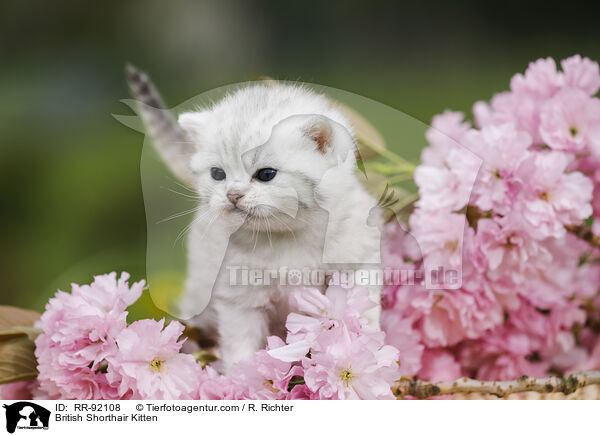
(205, 258)
(242, 331)
(190, 306)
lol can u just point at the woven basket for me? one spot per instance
(586, 393)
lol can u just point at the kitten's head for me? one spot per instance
(262, 154)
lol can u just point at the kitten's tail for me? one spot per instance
(169, 138)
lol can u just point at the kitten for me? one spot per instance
(274, 167)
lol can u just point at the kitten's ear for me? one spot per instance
(171, 141)
(331, 138)
(194, 123)
(319, 130)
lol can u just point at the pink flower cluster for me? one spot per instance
(329, 353)
(496, 204)
(88, 351)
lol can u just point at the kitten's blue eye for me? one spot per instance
(217, 173)
(265, 174)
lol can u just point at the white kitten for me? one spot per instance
(274, 167)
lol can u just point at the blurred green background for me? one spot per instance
(69, 173)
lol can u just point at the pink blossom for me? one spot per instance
(553, 198)
(85, 320)
(581, 73)
(401, 260)
(483, 114)
(529, 343)
(78, 337)
(324, 311)
(407, 340)
(340, 356)
(509, 250)
(568, 276)
(509, 367)
(22, 390)
(263, 377)
(591, 361)
(63, 376)
(521, 106)
(214, 386)
(440, 236)
(519, 109)
(541, 79)
(444, 318)
(569, 121)
(398, 243)
(503, 149)
(439, 365)
(448, 187)
(352, 368)
(149, 365)
(445, 135)
(504, 354)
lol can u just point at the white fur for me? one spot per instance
(314, 203)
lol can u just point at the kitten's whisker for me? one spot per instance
(288, 227)
(179, 214)
(181, 185)
(254, 222)
(268, 230)
(184, 231)
(193, 190)
(210, 224)
(204, 214)
(195, 197)
(189, 226)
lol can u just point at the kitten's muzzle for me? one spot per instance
(234, 197)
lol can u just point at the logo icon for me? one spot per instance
(26, 415)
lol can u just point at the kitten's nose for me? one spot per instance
(234, 197)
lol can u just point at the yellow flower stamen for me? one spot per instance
(346, 376)
(157, 365)
(269, 385)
